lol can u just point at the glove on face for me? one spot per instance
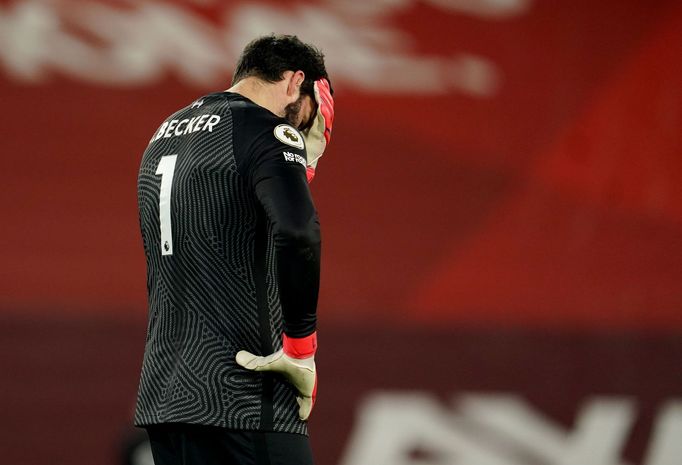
(317, 137)
(296, 362)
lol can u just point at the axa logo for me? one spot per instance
(415, 428)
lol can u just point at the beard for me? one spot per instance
(292, 112)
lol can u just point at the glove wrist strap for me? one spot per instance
(303, 347)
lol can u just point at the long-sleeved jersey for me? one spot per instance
(232, 245)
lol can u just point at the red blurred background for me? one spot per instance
(501, 213)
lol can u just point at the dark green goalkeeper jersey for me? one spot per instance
(232, 243)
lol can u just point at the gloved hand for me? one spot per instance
(296, 362)
(318, 135)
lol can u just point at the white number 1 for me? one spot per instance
(166, 169)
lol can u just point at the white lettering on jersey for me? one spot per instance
(190, 126)
(178, 131)
(171, 128)
(202, 119)
(212, 121)
(288, 156)
(176, 127)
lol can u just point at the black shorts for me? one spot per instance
(183, 444)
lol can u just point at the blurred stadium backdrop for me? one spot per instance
(501, 208)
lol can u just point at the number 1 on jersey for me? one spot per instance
(166, 169)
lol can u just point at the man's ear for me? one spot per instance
(294, 85)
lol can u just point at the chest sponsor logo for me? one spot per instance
(289, 135)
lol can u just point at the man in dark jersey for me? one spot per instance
(232, 245)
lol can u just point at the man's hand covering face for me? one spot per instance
(317, 137)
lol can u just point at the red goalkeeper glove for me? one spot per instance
(296, 362)
(317, 137)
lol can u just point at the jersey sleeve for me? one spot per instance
(278, 177)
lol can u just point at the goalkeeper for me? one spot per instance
(232, 246)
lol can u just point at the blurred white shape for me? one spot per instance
(368, 55)
(597, 438)
(475, 75)
(142, 455)
(368, 7)
(666, 446)
(600, 432)
(485, 8)
(25, 28)
(140, 43)
(488, 9)
(499, 429)
(391, 426)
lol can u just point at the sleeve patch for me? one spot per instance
(288, 156)
(290, 136)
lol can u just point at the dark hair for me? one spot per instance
(268, 57)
